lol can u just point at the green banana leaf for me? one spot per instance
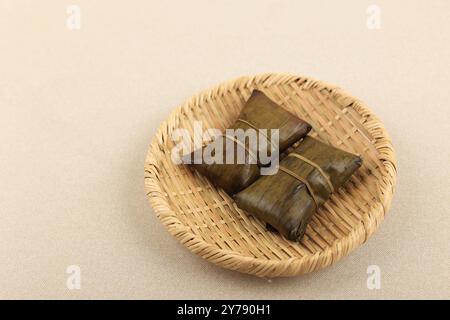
(305, 180)
(259, 112)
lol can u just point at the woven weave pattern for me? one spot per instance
(207, 221)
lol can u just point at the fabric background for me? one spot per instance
(79, 107)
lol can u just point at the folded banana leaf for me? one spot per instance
(230, 177)
(259, 112)
(305, 180)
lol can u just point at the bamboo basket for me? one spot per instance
(207, 221)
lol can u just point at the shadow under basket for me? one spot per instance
(208, 222)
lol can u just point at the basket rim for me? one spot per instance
(260, 266)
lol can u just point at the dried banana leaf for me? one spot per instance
(259, 112)
(305, 180)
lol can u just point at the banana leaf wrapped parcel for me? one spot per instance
(306, 178)
(260, 112)
(261, 115)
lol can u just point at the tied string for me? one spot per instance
(250, 152)
(317, 167)
(301, 179)
(257, 129)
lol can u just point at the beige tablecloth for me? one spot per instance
(83, 88)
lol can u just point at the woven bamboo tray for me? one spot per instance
(207, 221)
